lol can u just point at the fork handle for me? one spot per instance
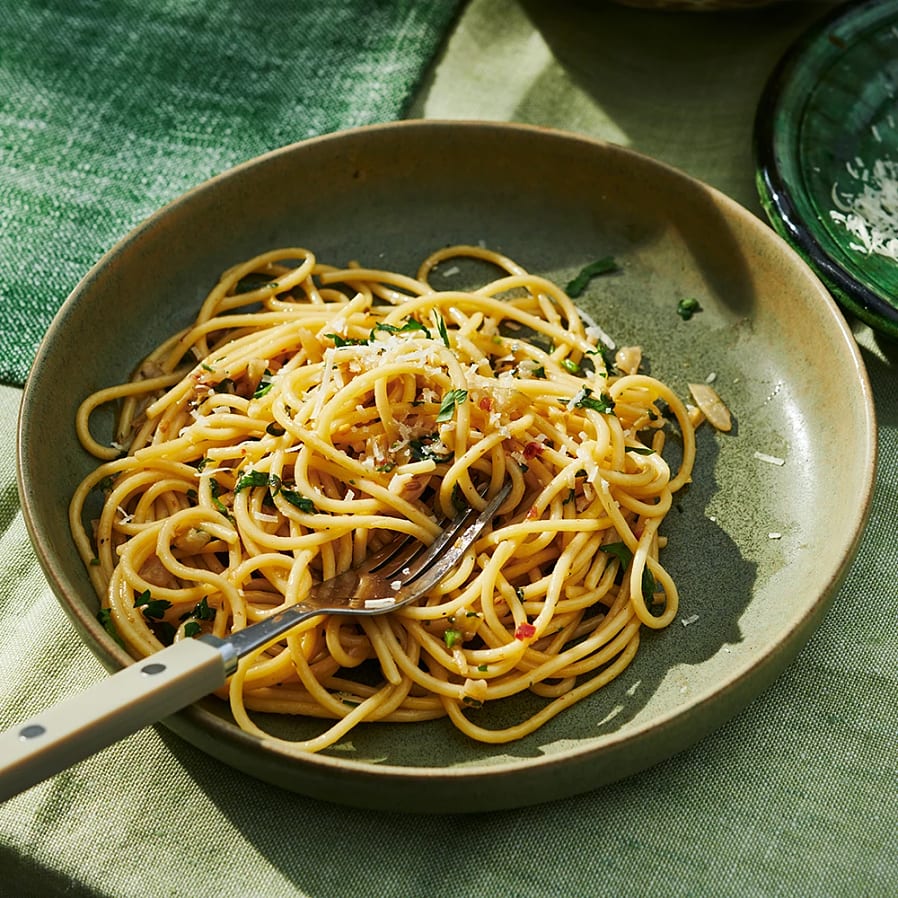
(137, 696)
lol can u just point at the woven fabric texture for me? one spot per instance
(111, 108)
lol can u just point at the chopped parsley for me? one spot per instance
(153, 609)
(450, 637)
(576, 287)
(639, 450)
(265, 384)
(104, 616)
(447, 407)
(441, 327)
(407, 327)
(202, 611)
(687, 307)
(428, 448)
(585, 399)
(345, 341)
(255, 478)
(215, 489)
(622, 553)
(297, 500)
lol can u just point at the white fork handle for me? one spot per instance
(137, 696)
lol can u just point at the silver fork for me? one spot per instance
(156, 687)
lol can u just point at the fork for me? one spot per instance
(153, 688)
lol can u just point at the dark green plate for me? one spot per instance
(826, 142)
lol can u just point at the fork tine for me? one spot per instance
(445, 552)
(400, 547)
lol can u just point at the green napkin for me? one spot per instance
(111, 108)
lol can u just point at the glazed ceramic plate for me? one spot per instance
(826, 139)
(758, 543)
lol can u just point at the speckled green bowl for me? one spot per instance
(826, 144)
(784, 360)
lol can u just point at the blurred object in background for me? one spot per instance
(696, 5)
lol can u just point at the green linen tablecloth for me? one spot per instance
(796, 796)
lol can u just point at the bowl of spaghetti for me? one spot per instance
(392, 323)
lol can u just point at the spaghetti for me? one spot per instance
(310, 413)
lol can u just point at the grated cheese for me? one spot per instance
(769, 459)
(870, 213)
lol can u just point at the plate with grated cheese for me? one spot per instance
(826, 144)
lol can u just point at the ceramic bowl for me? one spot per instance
(758, 543)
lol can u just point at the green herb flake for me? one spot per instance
(265, 385)
(451, 637)
(459, 502)
(408, 326)
(153, 609)
(202, 611)
(539, 372)
(215, 489)
(576, 287)
(447, 407)
(297, 500)
(585, 399)
(441, 328)
(345, 341)
(483, 668)
(427, 449)
(104, 616)
(622, 553)
(192, 628)
(639, 450)
(571, 366)
(687, 307)
(251, 479)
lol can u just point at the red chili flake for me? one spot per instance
(533, 513)
(486, 404)
(532, 449)
(525, 631)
